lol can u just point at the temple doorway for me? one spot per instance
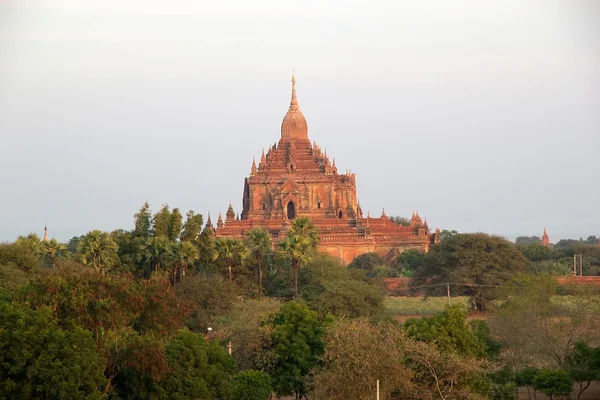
(291, 210)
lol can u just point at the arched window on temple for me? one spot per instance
(292, 167)
(340, 214)
(291, 210)
(264, 206)
(318, 204)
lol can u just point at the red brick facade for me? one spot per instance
(295, 178)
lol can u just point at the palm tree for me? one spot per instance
(31, 242)
(298, 249)
(302, 227)
(230, 252)
(258, 242)
(157, 250)
(99, 250)
(184, 254)
(53, 250)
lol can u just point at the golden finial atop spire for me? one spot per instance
(294, 101)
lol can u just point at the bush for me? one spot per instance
(251, 385)
(553, 382)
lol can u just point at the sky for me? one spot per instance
(483, 115)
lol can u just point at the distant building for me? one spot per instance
(545, 239)
(295, 178)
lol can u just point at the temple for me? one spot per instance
(295, 178)
(545, 239)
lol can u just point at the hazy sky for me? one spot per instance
(483, 115)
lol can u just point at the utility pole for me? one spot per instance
(448, 290)
(377, 389)
(577, 265)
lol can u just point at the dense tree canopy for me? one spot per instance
(475, 264)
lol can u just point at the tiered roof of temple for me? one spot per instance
(297, 178)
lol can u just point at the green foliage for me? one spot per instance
(553, 383)
(100, 303)
(536, 252)
(196, 369)
(98, 250)
(192, 227)
(167, 223)
(53, 252)
(448, 331)
(24, 254)
(193, 369)
(231, 253)
(583, 365)
(528, 240)
(482, 331)
(251, 385)
(143, 222)
(368, 262)
(359, 353)
(211, 296)
(329, 288)
(245, 326)
(525, 376)
(258, 242)
(421, 305)
(447, 234)
(474, 261)
(400, 220)
(298, 345)
(298, 250)
(38, 359)
(535, 326)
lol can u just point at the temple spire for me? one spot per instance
(294, 101)
(253, 169)
(46, 238)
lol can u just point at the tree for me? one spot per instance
(258, 242)
(192, 227)
(583, 365)
(230, 253)
(196, 369)
(167, 223)
(474, 263)
(98, 250)
(53, 251)
(444, 375)
(210, 294)
(251, 385)
(408, 262)
(244, 325)
(303, 228)
(524, 377)
(38, 359)
(368, 262)
(447, 234)
(400, 221)
(535, 326)
(448, 331)
(553, 383)
(297, 249)
(157, 251)
(329, 288)
(528, 240)
(536, 252)
(175, 224)
(143, 222)
(298, 345)
(184, 255)
(357, 354)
